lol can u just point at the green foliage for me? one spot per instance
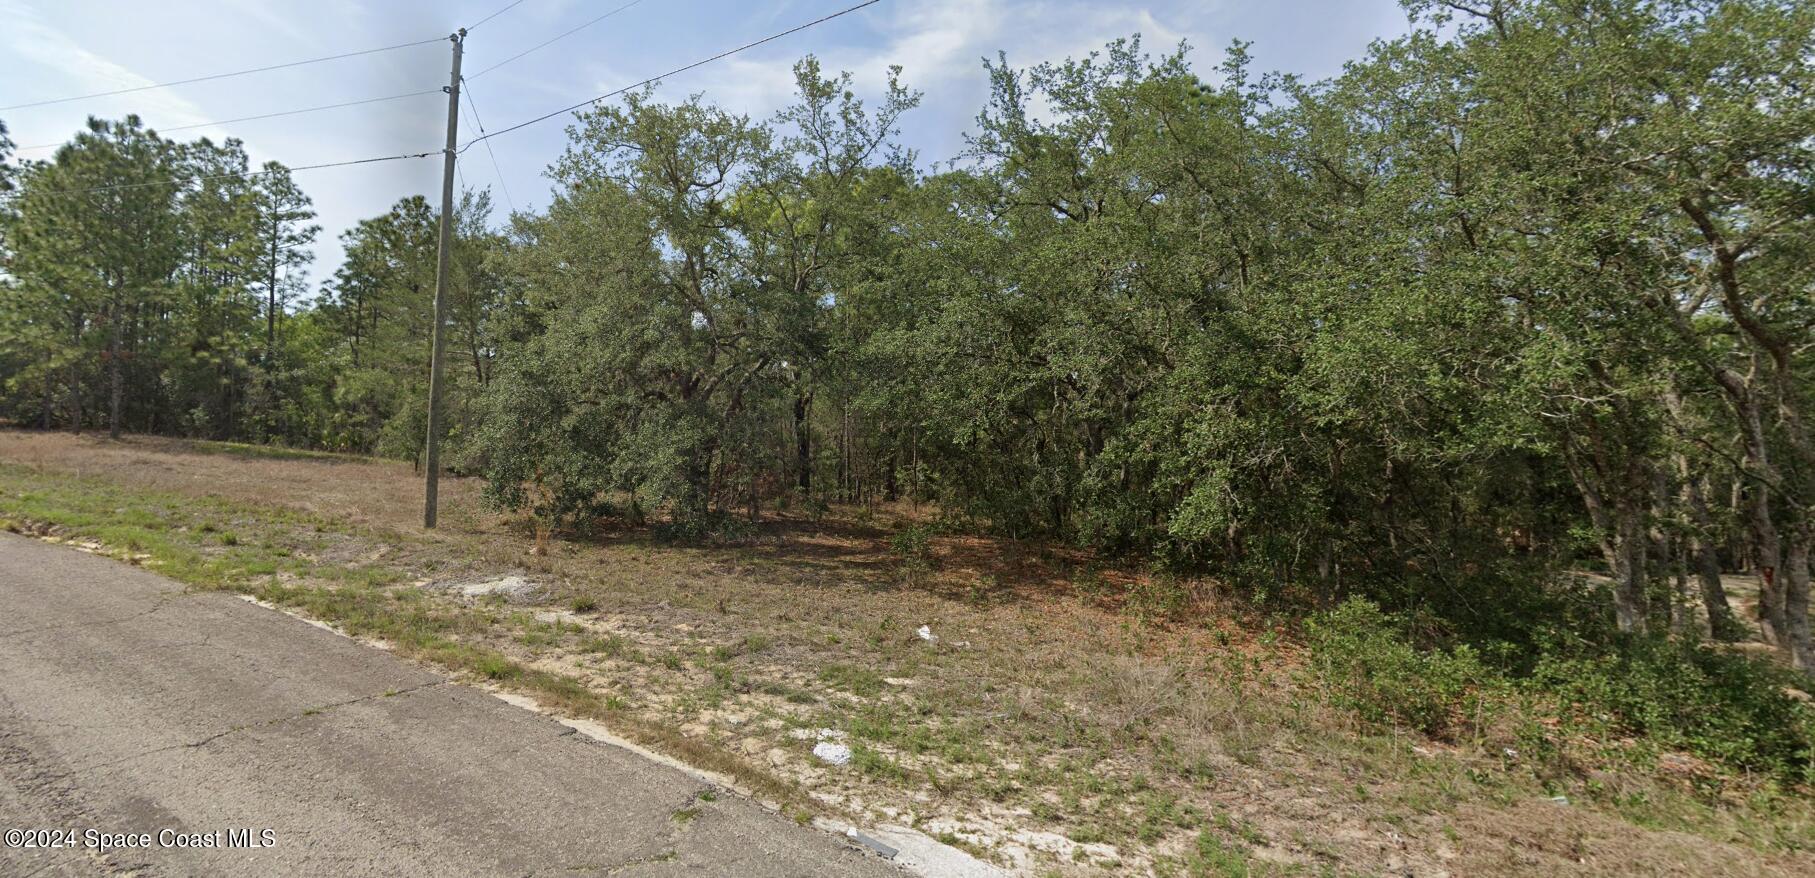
(1660, 694)
(912, 545)
(1212, 857)
(1364, 662)
(1525, 290)
(176, 275)
(673, 301)
(1721, 706)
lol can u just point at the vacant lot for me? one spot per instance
(1063, 718)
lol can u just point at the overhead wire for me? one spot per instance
(295, 112)
(214, 76)
(494, 15)
(553, 40)
(484, 136)
(261, 171)
(474, 106)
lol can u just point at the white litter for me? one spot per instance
(926, 633)
(514, 586)
(836, 754)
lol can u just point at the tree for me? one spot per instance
(97, 241)
(284, 235)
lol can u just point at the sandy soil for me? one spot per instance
(1045, 728)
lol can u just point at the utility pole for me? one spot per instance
(433, 455)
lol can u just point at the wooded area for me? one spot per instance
(1531, 290)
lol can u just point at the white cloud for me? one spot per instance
(53, 48)
(80, 71)
(940, 46)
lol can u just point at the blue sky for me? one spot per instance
(55, 48)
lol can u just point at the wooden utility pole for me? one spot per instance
(433, 455)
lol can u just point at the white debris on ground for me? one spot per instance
(515, 587)
(833, 753)
(921, 854)
(926, 633)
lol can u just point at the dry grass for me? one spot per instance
(1067, 719)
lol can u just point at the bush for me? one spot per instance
(1720, 706)
(913, 545)
(1367, 664)
(1664, 695)
(711, 528)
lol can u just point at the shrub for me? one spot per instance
(711, 528)
(1661, 694)
(913, 545)
(1670, 695)
(1367, 664)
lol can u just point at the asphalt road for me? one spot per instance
(128, 706)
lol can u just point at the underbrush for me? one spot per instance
(1611, 699)
(1111, 718)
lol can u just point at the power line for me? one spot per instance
(270, 115)
(701, 63)
(555, 39)
(494, 15)
(19, 193)
(137, 88)
(474, 106)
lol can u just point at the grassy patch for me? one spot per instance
(1122, 726)
(177, 532)
(856, 680)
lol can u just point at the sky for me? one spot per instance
(58, 48)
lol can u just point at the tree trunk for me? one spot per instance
(50, 390)
(1796, 600)
(1714, 593)
(1667, 552)
(75, 379)
(116, 375)
(803, 443)
(271, 303)
(1767, 550)
(1720, 622)
(1626, 556)
(1622, 537)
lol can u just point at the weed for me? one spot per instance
(855, 680)
(875, 764)
(496, 667)
(1211, 858)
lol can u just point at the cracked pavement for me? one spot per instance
(128, 705)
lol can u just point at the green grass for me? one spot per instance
(269, 559)
(856, 680)
(268, 452)
(974, 726)
(1213, 858)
